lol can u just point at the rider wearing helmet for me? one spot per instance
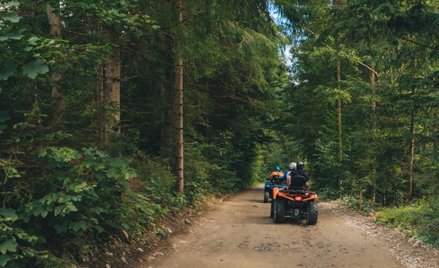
(277, 172)
(298, 174)
(300, 169)
(292, 166)
(291, 169)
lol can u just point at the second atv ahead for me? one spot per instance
(294, 203)
(275, 181)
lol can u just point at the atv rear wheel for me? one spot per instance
(266, 196)
(272, 208)
(311, 219)
(279, 211)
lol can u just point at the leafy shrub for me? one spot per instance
(157, 180)
(419, 219)
(17, 244)
(73, 197)
(61, 202)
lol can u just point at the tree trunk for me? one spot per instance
(112, 94)
(412, 151)
(54, 19)
(339, 116)
(179, 124)
(412, 135)
(372, 82)
(180, 105)
(337, 5)
(58, 102)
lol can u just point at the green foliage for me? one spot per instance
(365, 37)
(397, 43)
(419, 219)
(77, 197)
(34, 68)
(65, 189)
(69, 190)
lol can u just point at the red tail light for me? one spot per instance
(298, 198)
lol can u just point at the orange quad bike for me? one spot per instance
(295, 202)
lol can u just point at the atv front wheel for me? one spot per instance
(279, 211)
(311, 219)
(266, 196)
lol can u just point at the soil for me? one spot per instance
(238, 232)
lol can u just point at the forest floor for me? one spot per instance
(238, 232)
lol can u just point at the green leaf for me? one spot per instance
(65, 209)
(12, 4)
(80, 225)
(40, 209)
(4, 259)
(13, 36)
(34, 68)
(12, 18)
(8, 246)
(8, 213)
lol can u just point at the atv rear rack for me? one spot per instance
(296, 191)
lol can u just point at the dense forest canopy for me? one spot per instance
(114, 114)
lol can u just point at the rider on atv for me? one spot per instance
(291, 169)
(295, 201)
(297, 178)
(277, 172)
(274, 180)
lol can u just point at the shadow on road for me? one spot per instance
(261, 219)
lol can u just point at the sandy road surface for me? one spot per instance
(240, 233)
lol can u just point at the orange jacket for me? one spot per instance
(277, 173)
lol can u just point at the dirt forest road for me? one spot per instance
(239, 233)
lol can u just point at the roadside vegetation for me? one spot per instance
(116, 114)
(419, 220)
(364, 106)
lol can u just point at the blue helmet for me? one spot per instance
(277, 168)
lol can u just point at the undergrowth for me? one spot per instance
(419, 219)
(71, 201)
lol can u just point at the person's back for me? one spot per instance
(299, 178)
(302, 172)
(291, 171)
